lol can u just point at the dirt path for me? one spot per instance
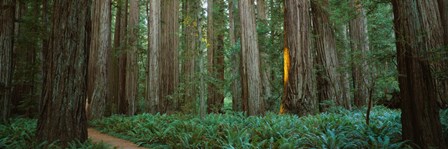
(98, 137)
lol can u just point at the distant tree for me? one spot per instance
(250, 59)
(299, 93)
(191, 12)
(7, 17)
(131, 58)
(99, 48)
(329, 85)
(215, 54)
(169, 62)
(62, 115)
(121, 46)
(264, 56)
(359, 46)
(418, 31)
(236, 78)
(153, 78)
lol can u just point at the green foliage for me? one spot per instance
(339, 129)
(20, 133)
(444, 122)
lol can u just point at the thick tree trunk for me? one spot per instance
(329, 85)
(442, 80)
(63, 114)
(169, 54)
(131, 58)
(251, 58)
(7, 15)
(359, 45)
(418, 31)
(100, 36)
(236, 81)
(153, 79)
(299, 88)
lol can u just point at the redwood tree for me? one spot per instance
(62, 115)
(169, 64)
(250, 58)
(329, 85)
(7, 15)
(299, 88)
(99, 48)
(153, 77)
(359, 46)
(418, 30)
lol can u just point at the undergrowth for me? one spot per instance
(20, 134)
(337, 129)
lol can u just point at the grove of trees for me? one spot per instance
(67, 62)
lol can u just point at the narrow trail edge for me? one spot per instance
(98, 137)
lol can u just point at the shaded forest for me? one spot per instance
(225, 73)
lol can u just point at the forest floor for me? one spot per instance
(98, 137)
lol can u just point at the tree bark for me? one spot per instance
(442, 80)
(100, 36)
(299, 88)
(7, 16)
(169, 54)
(123, 106)
(251, 58)
(153, 79)
(210, 56)
(236, 78)
(113, 62)
(417, 29)
(359, 46)
(329, 84)
(63, 116)
(131, 58)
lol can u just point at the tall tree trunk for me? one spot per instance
(251, 58)
(169, 54)
(418, 31)
(100, 36)
(329, 84)
(7, 16)
(236, 81)
(442, 80)
(210, 56)
(45, 44)
(131, 58)
(359, 45)
(113, 62)
(63, 114)
(215, 51)
(299, 89)
(345, 78)
(191, 17)
(153, 79)
(266, 68)
(122, 58)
